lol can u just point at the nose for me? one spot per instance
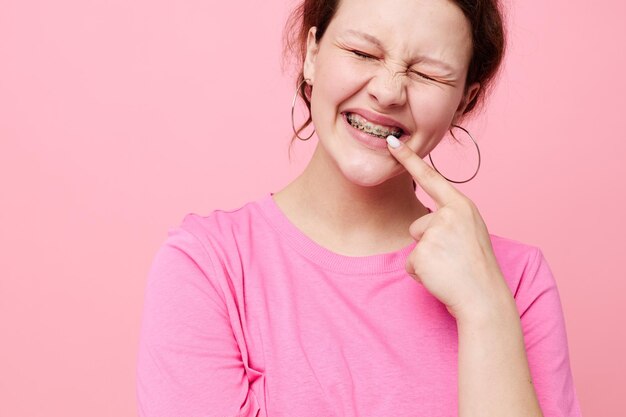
(387, 87)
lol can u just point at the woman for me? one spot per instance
(342, 294)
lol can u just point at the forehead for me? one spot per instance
(410, 28)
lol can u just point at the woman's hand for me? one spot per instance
(453, 258)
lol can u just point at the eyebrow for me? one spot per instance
(374, 40)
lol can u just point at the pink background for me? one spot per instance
(117, 118)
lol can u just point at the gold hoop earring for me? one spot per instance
(293, 104)
(477, 149)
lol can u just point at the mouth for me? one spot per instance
(376, 130)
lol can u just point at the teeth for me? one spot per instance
(372, 128)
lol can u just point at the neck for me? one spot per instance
(323, 202)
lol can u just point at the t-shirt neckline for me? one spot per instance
(326, 258)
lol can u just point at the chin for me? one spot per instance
(370, 177)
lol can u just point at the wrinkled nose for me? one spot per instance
(387, 87)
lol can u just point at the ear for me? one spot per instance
(467, 98)
(311, 53)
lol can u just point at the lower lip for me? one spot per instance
(366, 139)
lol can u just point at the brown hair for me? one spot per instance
(488, 42)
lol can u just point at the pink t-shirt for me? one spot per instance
(245, 315)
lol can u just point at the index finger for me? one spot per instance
(433, 183)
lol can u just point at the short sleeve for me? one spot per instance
(545, 337)
(189, 363)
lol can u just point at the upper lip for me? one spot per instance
(379, 119)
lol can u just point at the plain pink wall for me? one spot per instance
(119, 117)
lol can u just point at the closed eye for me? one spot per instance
(361, 54)
(364, 55)
(423, 76)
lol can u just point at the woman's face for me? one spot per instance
(416, 59)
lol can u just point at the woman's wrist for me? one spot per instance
(493, 308)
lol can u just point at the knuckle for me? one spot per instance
(447, 215)
(466, 206)
(425, 247)
(415, 228)
(469, 204)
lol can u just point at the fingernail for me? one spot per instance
(393, 141)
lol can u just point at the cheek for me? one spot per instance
(432, 107)
(339, 77)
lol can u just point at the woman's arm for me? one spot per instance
(189, 363)
(494, 377)
(508, 330)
